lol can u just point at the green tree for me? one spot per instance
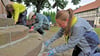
(41, 4)
(75, 2)
(17, 0)
(52, 16)
(60, 3)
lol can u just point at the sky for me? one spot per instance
(82, 3)
(69, 5)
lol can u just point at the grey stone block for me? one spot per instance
(12, 33)
(4, 37)
(6, 22)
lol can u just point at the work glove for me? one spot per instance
(50, 53)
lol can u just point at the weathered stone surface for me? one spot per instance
(17, 32)
(3, 13)
(4, 37)
(28, 47)
(35, 51)
(6, 22)
(12, 33)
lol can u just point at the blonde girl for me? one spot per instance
(77, 31)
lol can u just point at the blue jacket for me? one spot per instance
(41, 20)
(76, 38)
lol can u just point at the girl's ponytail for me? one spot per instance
(68, 28)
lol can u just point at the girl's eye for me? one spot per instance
(63, 19)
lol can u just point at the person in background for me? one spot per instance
(17, 11)
(49, 18)
(40, 22)
(78, 33)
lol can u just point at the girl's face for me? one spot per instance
(61, 23)
(10, 9)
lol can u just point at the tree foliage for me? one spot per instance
(60, 3)
(41, 4)
(52, 16)
(19, 1)
(75, 2)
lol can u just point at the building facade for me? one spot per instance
(90, 12)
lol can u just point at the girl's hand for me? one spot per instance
(14, 22)
(50, 53)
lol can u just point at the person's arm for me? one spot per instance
(16, 12)
(77, 35)
(18, 8)
(58, 35)
(16, 15)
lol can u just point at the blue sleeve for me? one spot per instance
(74, 39)
(40, 23)
(56, 36)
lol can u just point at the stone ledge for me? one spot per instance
(28, 47)
(35, 51)
(6, 22)
(4, 37)
(13, 33)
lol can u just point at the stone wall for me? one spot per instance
(12, 33)
(6, 22)
(3, 13)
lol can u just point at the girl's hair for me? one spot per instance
(63, 15)
(8, 6)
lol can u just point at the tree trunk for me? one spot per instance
(57, 9)
(38, 8)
